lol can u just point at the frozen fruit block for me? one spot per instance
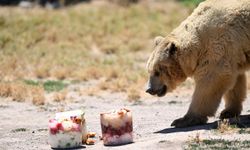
(67, 130)
(117, 127)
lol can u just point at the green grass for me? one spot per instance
(51, 86)
(31, 82)
(221, 144)
(191, 2)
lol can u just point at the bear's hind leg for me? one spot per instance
(234, 98)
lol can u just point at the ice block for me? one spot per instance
(67, 130)
(117, 127)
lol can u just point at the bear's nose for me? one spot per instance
(150, 91)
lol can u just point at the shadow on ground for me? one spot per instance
(75, 148)
(242, 122)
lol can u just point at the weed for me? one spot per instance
(42, 129)
(173, 102)
(19, 130)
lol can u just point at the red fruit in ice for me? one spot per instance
(76, 127)
(52, 120)
(59, 126)
(53, 127)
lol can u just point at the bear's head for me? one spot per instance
(163, 67)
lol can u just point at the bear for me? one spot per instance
(212, 46)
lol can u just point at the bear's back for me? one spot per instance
(215, 18)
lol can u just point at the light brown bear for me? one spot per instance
(213, 46)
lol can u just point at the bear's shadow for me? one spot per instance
(242, 122)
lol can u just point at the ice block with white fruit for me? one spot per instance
(117, 127)
(67, 130)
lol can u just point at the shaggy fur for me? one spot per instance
(213, 46)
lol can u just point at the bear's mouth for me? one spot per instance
(162, 91)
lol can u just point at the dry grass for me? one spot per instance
(60, 96)
(5, 90)
(90, 91)
(133, 94)
(196, 139)
(93, 41)
(37, 96)
(21, 92)
(17, 91)
(225, 127)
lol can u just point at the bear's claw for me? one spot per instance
(188, 121)
(227, 113)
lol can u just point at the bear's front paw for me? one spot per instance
(229, 113)
(188, 121)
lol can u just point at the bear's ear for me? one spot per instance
(171, 48)
(158, 39)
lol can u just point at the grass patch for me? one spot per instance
(42, 130)
(221, 144)
(51, 86)
(31, 82)
(244, 131)
(19, 130)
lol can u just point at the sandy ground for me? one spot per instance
(24, 126)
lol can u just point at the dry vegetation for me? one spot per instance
(20, 92)
(92, 41)
(221, 144)
(225, 127)
(198, 143)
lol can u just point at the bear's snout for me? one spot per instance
(150, 91)
(156, 87)
(159, 92)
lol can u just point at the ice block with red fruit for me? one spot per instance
(117, 127)
(67, 130)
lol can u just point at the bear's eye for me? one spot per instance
(157, 73)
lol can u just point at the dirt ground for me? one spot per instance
(24, 126)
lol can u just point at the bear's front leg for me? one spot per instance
(206, 99)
